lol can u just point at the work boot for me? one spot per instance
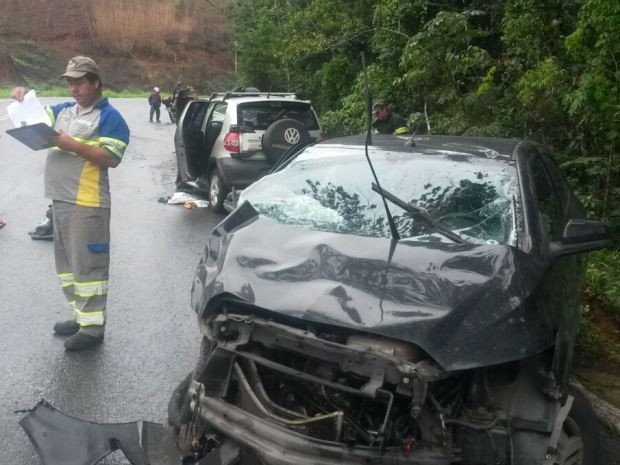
(44, 230)
(66, 328)
(84, 339)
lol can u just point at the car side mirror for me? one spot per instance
(579, 236)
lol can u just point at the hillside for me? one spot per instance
(137, 43)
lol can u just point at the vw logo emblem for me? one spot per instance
(291, 135)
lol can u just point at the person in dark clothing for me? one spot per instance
(182, 93)
(155, 103)
(386, 121)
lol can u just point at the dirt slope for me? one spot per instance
(36, 41)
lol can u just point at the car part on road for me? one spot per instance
(64, 440)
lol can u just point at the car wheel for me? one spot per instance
(217, 192)
(281, 136)
(579, 442)
(172, 115)
(179, 412)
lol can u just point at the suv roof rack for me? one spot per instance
(226, 95)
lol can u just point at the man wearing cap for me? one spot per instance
(93, 137)
(386, 121)
(155, 103)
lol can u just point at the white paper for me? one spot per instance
(27, 112)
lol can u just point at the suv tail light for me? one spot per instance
(232, 142)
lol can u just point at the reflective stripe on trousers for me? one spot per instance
(81, 249)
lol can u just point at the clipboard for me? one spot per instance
(36, 136)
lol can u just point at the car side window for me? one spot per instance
(196, 114)
(214, 125)
(219, 112)
(559, 181)
(549, 207)
(260, 115)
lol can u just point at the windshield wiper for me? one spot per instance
(417, 211)
(388, 213)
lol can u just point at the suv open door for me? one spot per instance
(188, 140)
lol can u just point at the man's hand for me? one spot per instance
(18, 93)
(67, 143)
(97, 155)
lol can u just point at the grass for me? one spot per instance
(59, 91)
(604, 277)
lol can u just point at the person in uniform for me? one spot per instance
(93, 138)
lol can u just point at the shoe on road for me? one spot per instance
(82, 341)
(66, 328)
(44, 230)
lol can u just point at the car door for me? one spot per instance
(213, 127)
(560, 290)
(189, 140)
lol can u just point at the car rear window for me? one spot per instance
(259, 115)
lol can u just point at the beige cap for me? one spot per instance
(77, 67)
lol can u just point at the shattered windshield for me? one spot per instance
(330, 189)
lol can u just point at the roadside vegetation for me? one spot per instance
(547, 71)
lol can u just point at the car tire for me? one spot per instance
(179, 411)
(282, 135)
(217, 192)
(173, 116)
(580, 434)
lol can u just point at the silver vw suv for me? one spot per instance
(229, 140)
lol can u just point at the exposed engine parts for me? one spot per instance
(351, 396)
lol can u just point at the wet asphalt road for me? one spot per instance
(151, 337)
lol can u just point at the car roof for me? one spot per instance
(241, 98)
(480, 147)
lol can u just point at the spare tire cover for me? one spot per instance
(282, 135)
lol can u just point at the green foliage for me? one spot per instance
(62, 91)
(604, 277)
(590, 339)
(540, 91)
(594, 102)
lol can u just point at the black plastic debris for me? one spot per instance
(63, 440)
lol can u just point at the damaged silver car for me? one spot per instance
(427, 320)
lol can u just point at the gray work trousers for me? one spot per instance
(82, 252)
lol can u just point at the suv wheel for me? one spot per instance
(217, 192)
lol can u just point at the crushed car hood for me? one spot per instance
(466, 305)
